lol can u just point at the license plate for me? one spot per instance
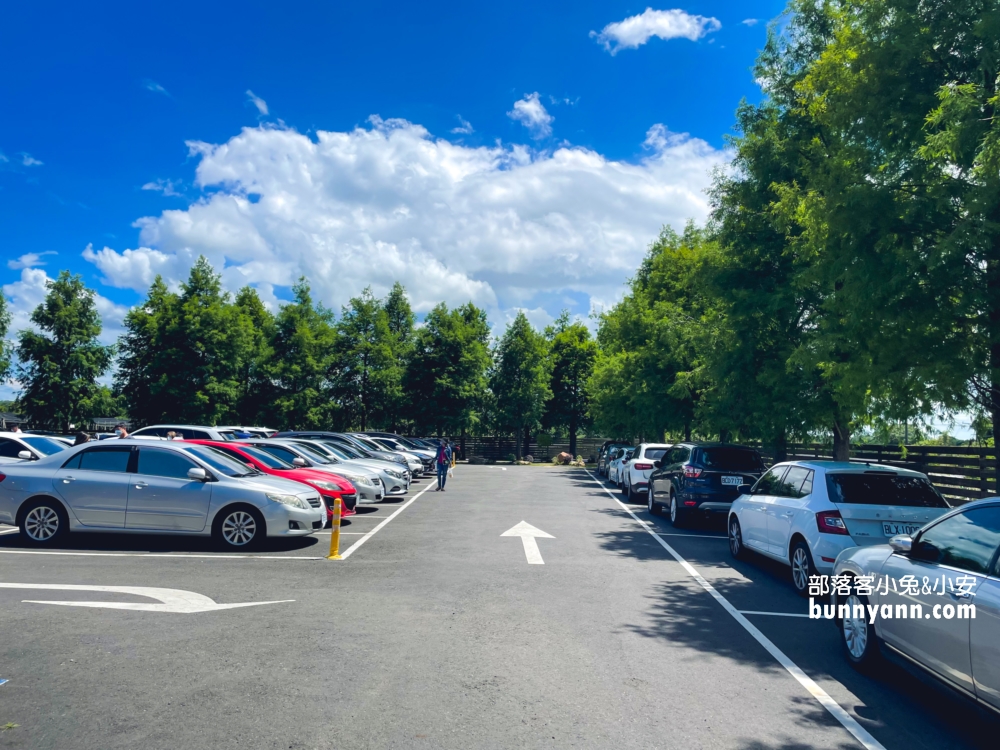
(734, 481)
(892, 529)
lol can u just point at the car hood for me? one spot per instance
(374, 464)
(268, 483)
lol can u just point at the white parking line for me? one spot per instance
(773, 614)
(349, 551)
(848, 721)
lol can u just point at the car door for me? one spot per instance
(659, 480)
(753, 517)
(162, 496)
(789, 498)
(984, 630)
(948, 563)
(94, 484)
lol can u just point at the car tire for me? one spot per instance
(239, 527)
(802, 567)
(858, 637)
(633, 496)
(44, 522)
(678, 517)
(736, 547)
(625, 491)
(652, 506)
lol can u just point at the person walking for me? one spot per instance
(444, 455)
(16, 428)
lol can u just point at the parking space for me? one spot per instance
(524, 607)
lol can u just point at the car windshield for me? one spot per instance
(883, 488)
(227, 434)
(271, 462)
(312, 455)
(368, 444)
(44, 445)
(731, 459)
(341, 451)
(220, 461)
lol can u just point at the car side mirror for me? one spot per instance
(298, 461)
(744, 489)
(26, 455)
(657, 463)
(902, 544)
(197, 474)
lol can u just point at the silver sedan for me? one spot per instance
(931, 601)
(135, 486)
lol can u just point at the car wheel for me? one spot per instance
(677, 516)
(625, 490)
(44, 522)
(857, 634)
(736, 548)
(802, 567)
(239, 527)
(633, 497)
(651, 505)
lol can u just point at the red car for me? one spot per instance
(328, 484)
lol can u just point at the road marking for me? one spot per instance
(158, 555)
(350, 550)
(849, 723)
(528, 534)
(3, 681)
(170, 600)
(773, 614)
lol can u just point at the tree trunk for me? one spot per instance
(572, 435)
(780, 447)
(723, 436)
(527, 441)
(687, 432)
(841, 438)
(461, 445)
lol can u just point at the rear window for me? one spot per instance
(731, 459)
(883, 488)
(654, 453)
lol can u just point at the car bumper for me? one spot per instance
(282, 520)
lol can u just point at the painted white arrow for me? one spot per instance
(528, 534)
(171, 600)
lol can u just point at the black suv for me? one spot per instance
(701, 479)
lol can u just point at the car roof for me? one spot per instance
(855, 467)
(184, 427)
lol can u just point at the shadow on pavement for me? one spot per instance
(104, 542)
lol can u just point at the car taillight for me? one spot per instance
(643, 467)
(692, 472)
(2, 477)
(830, 522)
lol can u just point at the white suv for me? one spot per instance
(805, 513)
(635, 477)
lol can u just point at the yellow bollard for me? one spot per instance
(335, 535)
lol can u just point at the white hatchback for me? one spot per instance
(805, 513)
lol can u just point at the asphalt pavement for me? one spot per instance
(437, 631)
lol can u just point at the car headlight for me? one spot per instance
(328, 486)
(360, 480)
(399, 459)
(290, 500)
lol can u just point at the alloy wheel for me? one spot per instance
(855, 629)
(673, 509)
(800, 568)
(239, 528)
(735, 538)
(41, 523)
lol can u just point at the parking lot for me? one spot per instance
(449, 624)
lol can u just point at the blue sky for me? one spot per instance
(103, 100)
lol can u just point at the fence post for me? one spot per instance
(983, 485)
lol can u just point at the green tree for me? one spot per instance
(60, 364)
(254, 377)
(141, 373)
(572, 351)
(5, 348)
(301, 363)
(401, 327)
(365, 361)
(519, 380)
(445, 380)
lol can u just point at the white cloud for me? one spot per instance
(167, 187)
(259, 103)
(29, 292)
(531, 113)
(153, 86)
(2, 157)
(30, 161)
(29, 260)
(750, 21)
(665, 24)
(497, 225)
(464, 126)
